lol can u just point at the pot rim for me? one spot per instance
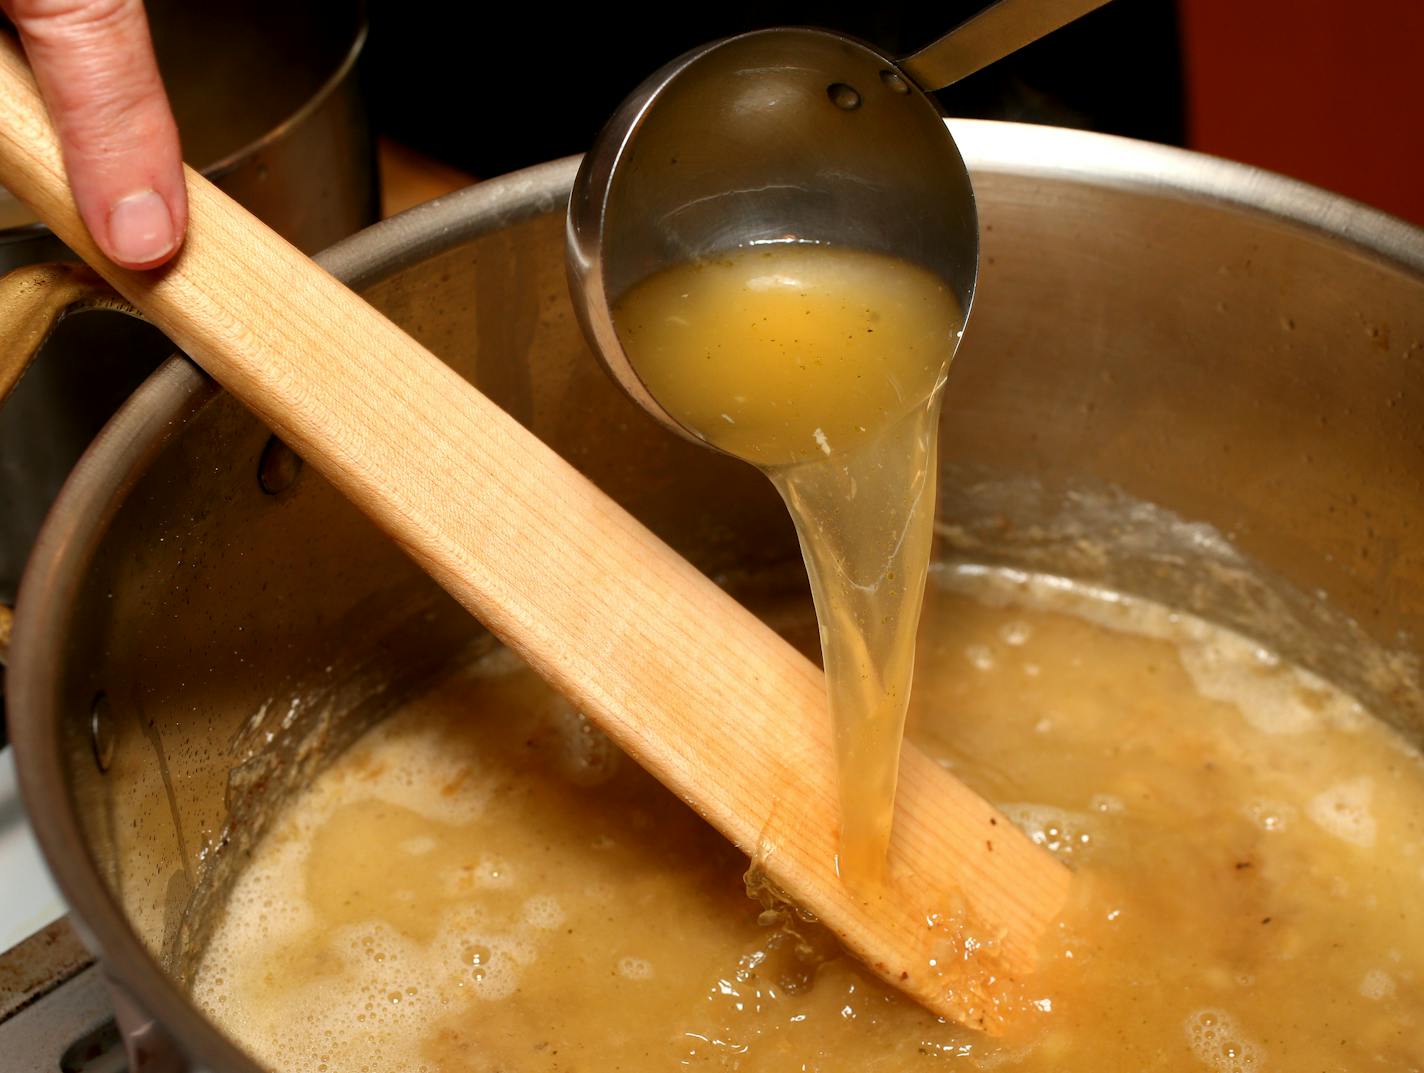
(169, 398)
(338, 76)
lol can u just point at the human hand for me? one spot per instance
(94, 63)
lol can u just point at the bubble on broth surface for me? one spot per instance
(1272, 696)
(1344, 811)
(405, 983)
(635, 968)
(544, 911)
(1223, 671)
(1270, 815)
(383, 1013)
(488, 873)
(1057, 830)
(1218, 1042)
(498, 977)
(980, 657)
(587, 756)
(428, 779)
(1015, 633)
(1377, 985)
(420, 846)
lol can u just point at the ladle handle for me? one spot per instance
(689, 683)
(1001, 28)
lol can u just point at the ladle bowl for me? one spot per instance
(784, 135)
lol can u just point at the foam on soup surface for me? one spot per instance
(484, 883)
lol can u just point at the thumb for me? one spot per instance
(95, 66)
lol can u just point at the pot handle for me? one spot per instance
(34, 299)
(148, 1048)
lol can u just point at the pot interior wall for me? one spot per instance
(1185, 400)
(1214, 408)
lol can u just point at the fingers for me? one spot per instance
(95, 66)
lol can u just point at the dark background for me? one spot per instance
(1323, 90)
(491, 89)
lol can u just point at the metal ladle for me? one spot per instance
(784, 135)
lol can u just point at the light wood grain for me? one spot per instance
(688, 682)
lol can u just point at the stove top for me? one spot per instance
(28, 898)
(54, 1008)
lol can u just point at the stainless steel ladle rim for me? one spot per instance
(587, 218)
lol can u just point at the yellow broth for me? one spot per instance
(484, 883)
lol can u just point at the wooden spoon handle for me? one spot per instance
(688, 682)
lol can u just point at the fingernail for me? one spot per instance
(141, 228)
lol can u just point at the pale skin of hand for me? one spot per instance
(94, 63)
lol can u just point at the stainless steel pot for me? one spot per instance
(1183, 378)
(268, 104)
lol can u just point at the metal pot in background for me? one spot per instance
(269, 107)
(1183, 378)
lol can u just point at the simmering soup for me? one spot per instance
(484, 883)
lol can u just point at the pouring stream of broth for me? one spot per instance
(823, 367)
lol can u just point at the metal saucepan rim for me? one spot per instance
(221, 167)
(1105, 160)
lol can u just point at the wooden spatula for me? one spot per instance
(688, 682)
